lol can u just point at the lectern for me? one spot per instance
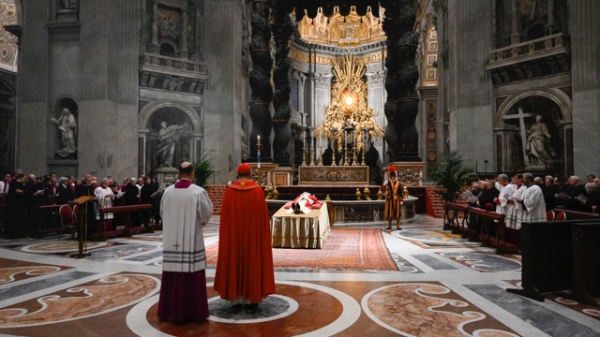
(82, 224)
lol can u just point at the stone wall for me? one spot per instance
(435, 203)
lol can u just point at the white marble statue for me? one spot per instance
(538, 146)
(67, 125)
(168, 137)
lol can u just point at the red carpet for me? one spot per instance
(358, 249)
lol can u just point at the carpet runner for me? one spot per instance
(346, 249)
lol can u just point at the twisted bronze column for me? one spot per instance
(282, 30)
(260, 79)
(402, 105)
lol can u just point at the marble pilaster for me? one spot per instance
(585, 53)
(321, 83)
(222, 109)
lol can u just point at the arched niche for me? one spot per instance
(63, 129)
(534, 133)
(168, 48)
(168, 130)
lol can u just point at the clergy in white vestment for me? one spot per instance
(185, 208)
(506, 190)
(104, 198)
(514, 211)
(533, 200)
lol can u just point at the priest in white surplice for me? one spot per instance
(533, 200)
(184, 209)
(506, 190)
(104, 198)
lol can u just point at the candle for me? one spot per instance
(258, 139)
(258, 157)
(345, 138)
(320, 142)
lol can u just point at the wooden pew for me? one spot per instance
(51, 223)
(560, 255)
(545, 258)
(575, 215)
(2, 218)
(494, 237)
(586, 259)
(452, 220)
(126, 210)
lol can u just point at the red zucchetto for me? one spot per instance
(244, 169)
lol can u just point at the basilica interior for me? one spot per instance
(317, 96)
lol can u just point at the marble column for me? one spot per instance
(514, 34)
(376, 99)
(322, 96)
(585, 74)
(551, 26)
(154, 47)
(184, 35)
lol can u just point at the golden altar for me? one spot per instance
(333, 175)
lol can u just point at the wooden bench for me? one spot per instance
(558, 256)
(51, 220)
(568, 214)
(494, 237)
(128, 211)
(453, 221)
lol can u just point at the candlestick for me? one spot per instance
(314, 154)
(346, 155)
(363, 156)
(303, 147)
(320, 156)
(345, 137)
(333, 148)
(333, 158)
(258, 146)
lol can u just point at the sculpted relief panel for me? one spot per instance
(170, 24)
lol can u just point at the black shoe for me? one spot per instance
(235, 308)
(252, 308)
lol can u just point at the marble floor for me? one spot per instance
(444, 286)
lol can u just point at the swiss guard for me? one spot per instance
(394, 198)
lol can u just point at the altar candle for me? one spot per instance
(258, 150)
(345, 138)
(320, 142)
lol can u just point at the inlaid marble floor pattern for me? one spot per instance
(444, 286)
